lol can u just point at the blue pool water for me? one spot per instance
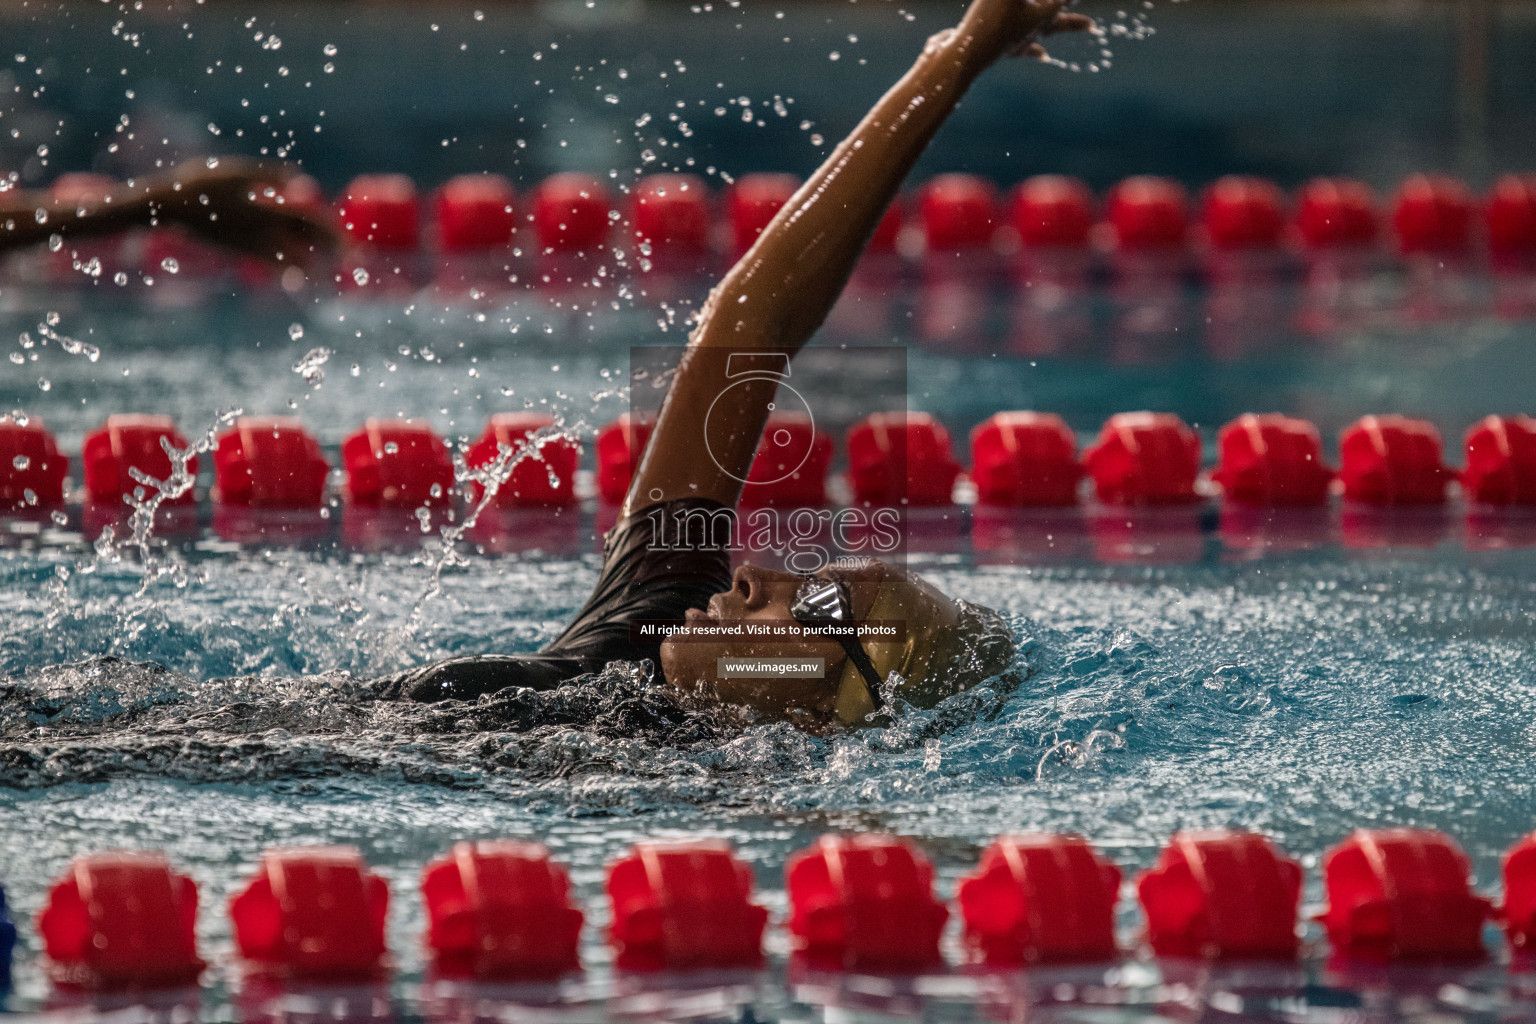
(214, 708)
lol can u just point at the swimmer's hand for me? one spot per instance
(233, 204)
(1014, 28)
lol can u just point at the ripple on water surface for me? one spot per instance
(1303, 696)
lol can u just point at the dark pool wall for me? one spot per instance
(1286, 90)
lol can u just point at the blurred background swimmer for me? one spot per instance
(230, 201)
(772, 301)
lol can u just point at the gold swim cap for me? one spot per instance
(949, 646)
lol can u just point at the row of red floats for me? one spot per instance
(500, 910)
(672, 214)
(1017, 459)
(674, 220)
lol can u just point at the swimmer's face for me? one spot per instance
(764, 596)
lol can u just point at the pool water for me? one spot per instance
(203, 694)
(213, 704)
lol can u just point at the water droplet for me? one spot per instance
(29, 496)
(295, 331)
(356, 371)
(55, 243)
(21, 462)
(479, 15)
(611, 98)
(816, 139)
(309, 366)
(44, 384)
(329, 49)
(436, 491)
(360, 276)
(391, 448)
(18, 358)
(170, 265)
(329, 67)
(59, 519)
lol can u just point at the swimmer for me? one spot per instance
(222, 204)
(773, 300)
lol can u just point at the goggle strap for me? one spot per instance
(860, 659)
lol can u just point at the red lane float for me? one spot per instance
(1025, 458)
(31, 467)
(129, 442)
(752, 202)
(1272, 460)
(1501, 461)
(1518, 914)
(1433, 215)
(864, 903)
(897, 458)
(302, 192)
(545, 476)
(1511, 221)
(1147, 213)
(790, 467)
(397, 463)
(888, 231)
(382, 211)
(173, 250)
(571, 213)
(121, 920)
(958, 213)
(1051, 211)
(500, 910)
(1223, 895)
(269, 462)
(1242, 212)
(1040, 898)
(684, 905)
(1336, 213)
(1145, 458)
(474, 212)
(1402, 894)
(312, 912)
(1393, 460)
(619, 445)
(671, 219)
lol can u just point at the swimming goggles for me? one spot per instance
(823, 602)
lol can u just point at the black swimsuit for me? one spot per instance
(639, 581)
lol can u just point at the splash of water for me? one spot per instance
(489, 478)
(152, 494)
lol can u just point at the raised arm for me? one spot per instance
(223, 203)
(778, 294)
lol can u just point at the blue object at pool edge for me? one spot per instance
(7, 944)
